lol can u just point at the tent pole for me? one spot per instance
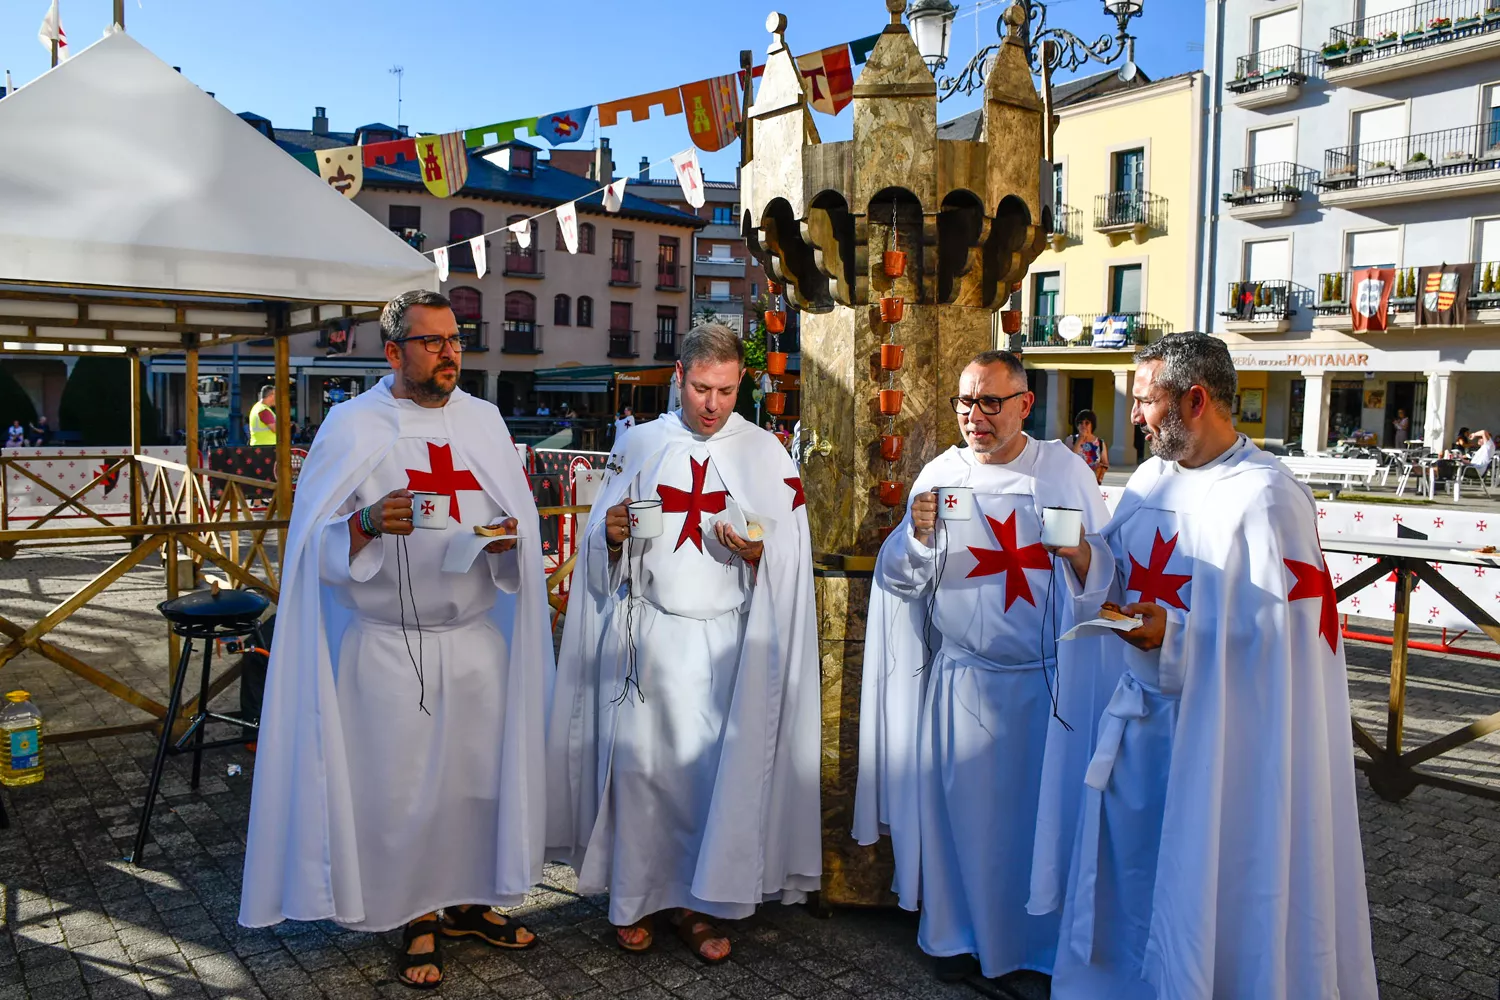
(135, 436)
(120, 13)
(283, 435)
(190, 402)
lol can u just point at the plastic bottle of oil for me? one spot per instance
(20, 741)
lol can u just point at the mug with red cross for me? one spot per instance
(429, 510)
(955, 503)
(645, 518)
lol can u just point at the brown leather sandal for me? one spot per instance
(695, 931)
(647, 924)
(470, 921)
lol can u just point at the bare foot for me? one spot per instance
(423, 944)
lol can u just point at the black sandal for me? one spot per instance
(469, 921)
(407, 961)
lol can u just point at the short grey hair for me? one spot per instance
(1011, 362)
(1189, 359)
(267, 389)
(393, 321)
(711, 343)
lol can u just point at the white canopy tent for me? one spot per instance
(163, 214)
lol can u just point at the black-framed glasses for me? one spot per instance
(989, 405)
(434, 345)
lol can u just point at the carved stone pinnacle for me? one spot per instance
(897, 8)
(1015, 19)
(776, 25)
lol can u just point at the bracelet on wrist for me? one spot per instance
(367, 523)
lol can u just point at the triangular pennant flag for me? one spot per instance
(614, 195)
(690, 176)
(563, 126)
(444, 162)
(567, 224)
(522, 232)
(830, 79)
(713, 110)
(481, 262)
(861, 48)
(343, 168)
(440, 255)
(52, 31)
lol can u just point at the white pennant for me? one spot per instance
(614, 195)
(567, 224)
(476, 247)
(441, 256)
(690, 176)
(522, 231)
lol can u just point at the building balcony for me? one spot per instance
(414, 238)
(1259, 307)
(715, 301)
(524, 263)
(721, 230)
(666, 346)
(521, 337)
(622, 344)
(1136, 214)
(1089, 331)
(1455, 162)
(1438, 34)
(1331, 299)
(1067, 227)
(669, 278)
(1269, 191)
(719, 267)
(1275, 76)
(625, 273)
(476, 333)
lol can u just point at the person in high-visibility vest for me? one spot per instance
(263, 417)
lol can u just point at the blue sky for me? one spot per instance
(471, 62)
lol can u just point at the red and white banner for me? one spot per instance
(65, 469)
(567, 224)
(481, 260)
(830, 79)
(614, 195)
(440, 256)
(690, 176)
(1370, 298)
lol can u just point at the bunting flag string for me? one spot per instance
(481, 258)
(614, 195)
(440, 257)
(567, 225)
(690, 176)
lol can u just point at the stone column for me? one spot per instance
(1315, 412)
(1122, 452)
(1056, 421)
(1442, 403)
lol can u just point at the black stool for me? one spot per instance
(209, 616)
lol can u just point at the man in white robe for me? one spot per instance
(957, 697)
(400, 749)
(683, 742)
(1218, 852)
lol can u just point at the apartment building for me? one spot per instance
(1350, 134)
(1121, 264)
(544, 325)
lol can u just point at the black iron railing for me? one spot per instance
(666, 345)
(1259, 301)
(622, 344)
(523, 263)
(625, 273)
(1269, 182)
(1107, 331)
(476, 333)
(1394, 32)
(668, 277)
(1067, 222)
(1130, 209)
(1272, 67)
(521, 337)
(1335, 287)
(1449, 152)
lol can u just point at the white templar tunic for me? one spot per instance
(1218, 853)
(425, 787)
(996, 604)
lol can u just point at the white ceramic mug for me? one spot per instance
(645, 518)
(1062, 527)
(955, 503)
(429, 510)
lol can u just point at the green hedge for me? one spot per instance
(96, 403)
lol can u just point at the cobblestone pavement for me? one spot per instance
(77, 921)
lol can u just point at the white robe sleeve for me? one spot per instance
(505, 569)
(906, 570)
(605, 574)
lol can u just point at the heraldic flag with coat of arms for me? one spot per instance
(443, 162)
(1370, 298)
(1443, 295)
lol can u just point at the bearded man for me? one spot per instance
(683, 743)
(400, 748)
(1218, 852)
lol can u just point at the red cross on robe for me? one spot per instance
(1010, 559)
(1153, 582)
(694, 504)
(798, 498)
(443, 478)
(1314, 581)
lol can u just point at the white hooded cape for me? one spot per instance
(886, 800)
(300, 853)
(1259, 889)
(763, 831)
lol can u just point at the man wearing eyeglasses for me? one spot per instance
(961, 663)
(401, 736)
(1218, 850)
